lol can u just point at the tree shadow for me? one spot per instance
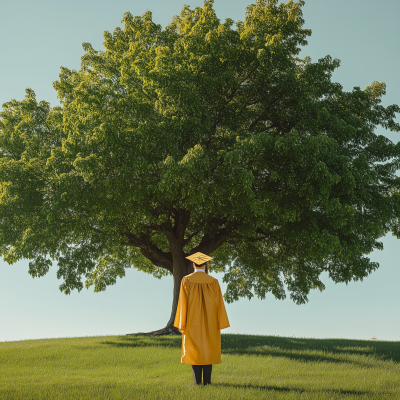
(328, 350)
(172, 342)
(298, 389)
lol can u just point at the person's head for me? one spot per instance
(200, 260)
(202, 266)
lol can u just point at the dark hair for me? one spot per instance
(201, 265)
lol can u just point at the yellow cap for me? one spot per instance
(199, 258)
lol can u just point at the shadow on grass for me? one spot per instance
(298, 390)
(329, 350)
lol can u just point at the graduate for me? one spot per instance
(199, 317)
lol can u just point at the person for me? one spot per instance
(200, 316)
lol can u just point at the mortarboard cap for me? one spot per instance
(199, 258)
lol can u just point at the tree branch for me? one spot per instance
(167, 264)
(149, 250)
(180, 226)
(190, 237)
(258, 119)
(207, 245)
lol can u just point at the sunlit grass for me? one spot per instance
(253, 367)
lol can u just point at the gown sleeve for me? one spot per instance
(223, 321)
(181, 310)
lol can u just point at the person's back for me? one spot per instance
(199, 317)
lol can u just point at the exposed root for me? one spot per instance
(164, 331)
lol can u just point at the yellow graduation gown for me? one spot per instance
(199, 317)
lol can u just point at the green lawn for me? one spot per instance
(252, 367)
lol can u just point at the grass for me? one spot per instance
(252, 367)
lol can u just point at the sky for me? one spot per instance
(40, 36)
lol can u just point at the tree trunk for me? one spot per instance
(181, 268)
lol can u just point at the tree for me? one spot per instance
(201, 137)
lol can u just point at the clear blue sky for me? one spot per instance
(40, 36)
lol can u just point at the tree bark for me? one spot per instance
(181, 268)
(185, 269)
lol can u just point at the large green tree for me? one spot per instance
(203, 136)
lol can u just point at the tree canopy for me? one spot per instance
(202, 136)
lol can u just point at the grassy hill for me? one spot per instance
(252, 367)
